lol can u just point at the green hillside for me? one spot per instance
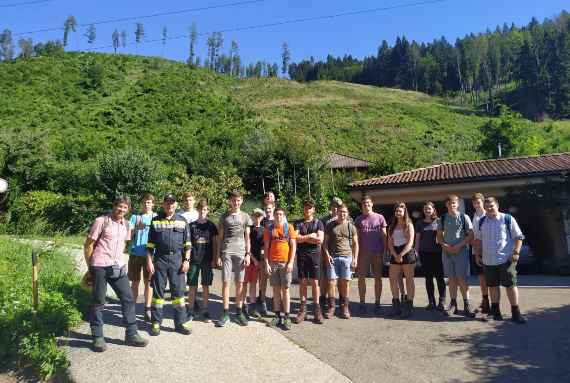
(84, 126)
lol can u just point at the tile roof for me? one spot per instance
(341, 161)
(475, 170)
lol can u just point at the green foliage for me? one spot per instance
(515, 135)
(28, 336)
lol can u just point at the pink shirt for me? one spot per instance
(109, 236)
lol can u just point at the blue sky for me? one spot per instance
(358, 35)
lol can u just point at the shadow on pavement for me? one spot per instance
(535, 352)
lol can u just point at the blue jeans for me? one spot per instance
(340, 269)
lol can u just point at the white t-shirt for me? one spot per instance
(190, 216)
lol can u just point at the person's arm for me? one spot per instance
(187, 249)
(220, 239)
(88, 247)
(292, 252)
(477, 249)
(150, 247)
(247, 258)
(384, 236)
(355, 249)
(417, 241)
(326, 249)
(266, 249)
(516, 250)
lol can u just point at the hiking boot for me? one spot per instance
(318, 315)
(99, 344)
(224, 319)
(495, 312)
(301, 314)
(274, 322)
(484, 307)
(362, 309)
(441, 305)
(451, 309)
(263, 307)
(147, 315)
(241, 319)
(396, 309)
(431, 305)
(155, 329)
(344, 312)
(286, 324)
(206, 317)
(136, 340)
(322, 302)
(467, 311)
(406, 309)
(377, 309)
(517, 317)
(329, 314)
(190, 316)
(184, 329)
(196, 307)
(252, 311)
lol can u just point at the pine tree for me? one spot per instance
(115, 38)
(6, 45)
(193, 37)
(91, 34)
(285, 58)
(139, 33)
(69, 25)
(26, 48)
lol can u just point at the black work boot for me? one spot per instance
(517, 316)
(485, 307)
(467, 311)
(396, 308)
(496, 312)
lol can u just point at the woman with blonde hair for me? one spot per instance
(402, 259)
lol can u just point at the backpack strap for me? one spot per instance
(349, 235)
(508, 221)
(443, 218)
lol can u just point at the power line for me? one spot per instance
(13, 5)
(142, 17)
(285, 22)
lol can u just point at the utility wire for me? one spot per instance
(142, 17)
(284, 22)
(13, 5)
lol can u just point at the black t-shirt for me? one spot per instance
(256, 239)
(202, 236)
(427, 232)
(303, 228)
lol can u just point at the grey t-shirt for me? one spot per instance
(455, 229)
(428, 233)
(233, 226)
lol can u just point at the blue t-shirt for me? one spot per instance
(140, 236)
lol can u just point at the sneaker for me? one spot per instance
(451, 309)
(184, 329)
(362, 309)
(190, 316)
(430, 306)
(286, 324)
(224, 319)
(155, 329)
(147, 315)
(497, 316)
(318, 315)
(274, 322)
(136, 340)
(518, 319)
(99, 344)
(241, 319)
(206, 317)
(441, 306)
(253, 313)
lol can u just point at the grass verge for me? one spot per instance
(27, 338)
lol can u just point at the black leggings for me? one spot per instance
(432, 267)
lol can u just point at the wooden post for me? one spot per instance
(35, 295)
(263, 184)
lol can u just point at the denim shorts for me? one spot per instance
(340, 269)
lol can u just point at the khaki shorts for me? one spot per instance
(279, 275)
(368, 260)
(136, 265)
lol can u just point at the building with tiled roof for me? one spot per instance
(548, 232)
(338, 161)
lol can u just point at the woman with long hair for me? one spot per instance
(402, 259)
(430, 255)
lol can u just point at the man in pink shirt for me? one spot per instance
(103, 251)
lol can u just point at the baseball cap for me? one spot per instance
(336, 201)
(169, 198)
(309, 202)
(258, 211)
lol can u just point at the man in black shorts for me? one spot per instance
(310, 234)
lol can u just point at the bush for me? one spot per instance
(31, 337)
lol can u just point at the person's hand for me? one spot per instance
(149, 267)
(399, 258)
(330, 259)
(140, 226)
(219, 262)
(289, 268)
(515, 257)
(246, 260)
(353, 264)
(185, 266)
(452, 249)
(255, 262)
(267, 268)
(478, 260)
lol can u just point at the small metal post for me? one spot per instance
(35, 293)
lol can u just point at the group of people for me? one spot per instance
(181, 247)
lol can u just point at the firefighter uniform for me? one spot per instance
(169, 238)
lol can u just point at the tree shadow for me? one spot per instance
(535, 352)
